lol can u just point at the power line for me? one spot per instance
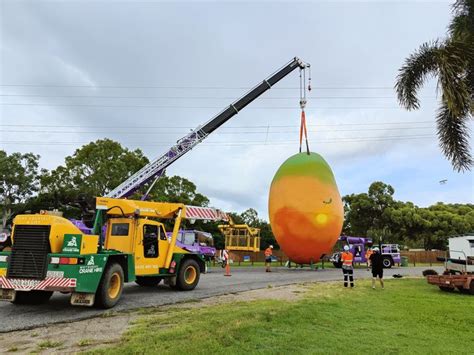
(329, 87)
(167, 144)
(203, 97)
(265, 131)
(203, 107)
(221, 128)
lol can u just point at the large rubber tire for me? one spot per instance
(32, 297)
(188, 275)
(110, 287)
(446, 289)
(463, 290)
(387, 263)
(148, 281)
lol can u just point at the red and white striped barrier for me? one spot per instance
(205, 213)
(28, 284)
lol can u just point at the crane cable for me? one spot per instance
(303, 101)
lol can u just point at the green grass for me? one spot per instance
(85, 342)
(48, 344)
(408, 317)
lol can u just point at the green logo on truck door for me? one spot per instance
(72, 243)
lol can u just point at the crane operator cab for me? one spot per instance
(144, 238)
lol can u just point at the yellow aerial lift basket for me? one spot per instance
(240, 237)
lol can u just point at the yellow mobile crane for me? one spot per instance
(50, 253)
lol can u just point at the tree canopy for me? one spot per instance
(18, 181)
(377, 215)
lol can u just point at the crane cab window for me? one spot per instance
(163, 234)
(151, 234)
(189, 238)
(120, 229)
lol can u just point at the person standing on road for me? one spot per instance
(268, 258)
(376, 262)
(368, 253)
(224, 257)
(347, 266)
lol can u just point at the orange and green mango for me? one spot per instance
(305, 208)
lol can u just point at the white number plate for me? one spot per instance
(56, 274)
(24, 284)
(82, 299)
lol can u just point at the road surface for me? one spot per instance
(16, 317)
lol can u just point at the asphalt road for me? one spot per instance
(58, 310)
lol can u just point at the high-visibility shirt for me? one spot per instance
(347, 258)
(268, 252)
(368, 254)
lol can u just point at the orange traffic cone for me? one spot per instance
(227, 269)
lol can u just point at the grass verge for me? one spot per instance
(408, 317)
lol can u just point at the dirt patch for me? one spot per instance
(70, 338)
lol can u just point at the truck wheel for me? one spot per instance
(110, 287)
(463, 290)
(188, 275)
(32, 297)
(387, 263)
(150, 281)
(446, 289)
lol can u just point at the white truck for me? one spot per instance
(459, 266)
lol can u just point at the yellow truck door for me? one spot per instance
(151, 248)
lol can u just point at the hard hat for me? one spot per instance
(346, 247)
(376, 249)
(271, 246)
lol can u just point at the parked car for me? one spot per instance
(358, 247)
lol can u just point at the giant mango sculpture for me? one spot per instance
(305, 207)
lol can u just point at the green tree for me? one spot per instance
(250, 217)
(452, 61)
(18, 181)
(177, 189)
(367, 214)
(93, 170)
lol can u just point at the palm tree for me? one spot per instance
(451, 60)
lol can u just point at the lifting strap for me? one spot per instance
(303, 130)
(303, 101)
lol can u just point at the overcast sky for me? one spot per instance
(169, 67)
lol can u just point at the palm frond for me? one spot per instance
(414, 72)
(453, 63)
(462, 23)
(453, 134)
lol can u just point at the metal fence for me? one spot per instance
(414, 257)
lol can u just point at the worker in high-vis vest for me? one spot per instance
(368, 253)
(268, 258)
(347, 266)
(226, 262)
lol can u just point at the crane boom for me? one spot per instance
(157, 167)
